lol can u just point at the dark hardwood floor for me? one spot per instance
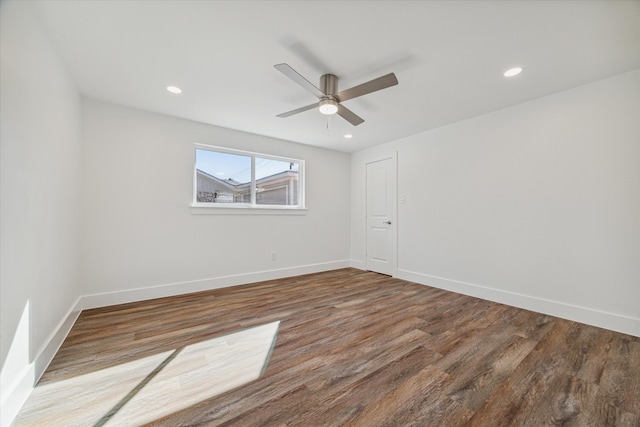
(362, 349)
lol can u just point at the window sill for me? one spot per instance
(197, 209)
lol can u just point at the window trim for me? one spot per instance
(248, 208)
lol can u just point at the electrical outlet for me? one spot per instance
(274, 256)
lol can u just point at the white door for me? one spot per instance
(381, 194)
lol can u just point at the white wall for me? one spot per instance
(139, 232)
(537, 205)
(39, 207)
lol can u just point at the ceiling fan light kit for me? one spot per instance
(329, 98)
(328, 106)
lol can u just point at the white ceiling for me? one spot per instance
(449, 57)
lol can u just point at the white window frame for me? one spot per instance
(250, 208)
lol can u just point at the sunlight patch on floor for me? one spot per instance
(140, 391)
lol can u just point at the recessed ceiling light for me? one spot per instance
(513, 72)
(174, 89)
(348, 136)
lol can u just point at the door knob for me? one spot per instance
(387, 222)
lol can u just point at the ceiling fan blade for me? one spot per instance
(298, 110)
(368, 87)
(349, 115)
(296, 77)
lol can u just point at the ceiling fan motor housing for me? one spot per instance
(329, 84)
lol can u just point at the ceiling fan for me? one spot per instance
(330, 101)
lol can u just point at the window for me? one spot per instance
(232, 178)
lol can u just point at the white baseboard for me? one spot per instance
(140, 294)
(589, 316)
(16, 395)
(355, 263)
(14, 398)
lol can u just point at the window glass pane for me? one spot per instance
(276, 182)
(222, 177)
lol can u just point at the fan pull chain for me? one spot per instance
(329, 125)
